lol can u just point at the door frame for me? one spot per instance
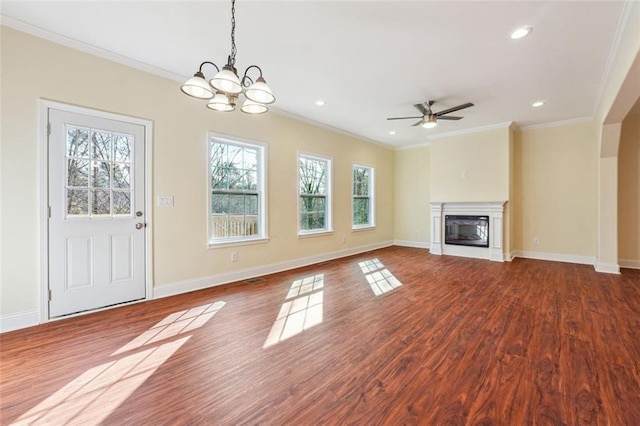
(43, 138)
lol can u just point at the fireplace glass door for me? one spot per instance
(467, 230)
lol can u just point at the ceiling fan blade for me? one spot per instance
(418, 123)
(449, 117)
(422, 109)
(456, 108)
(401, 118)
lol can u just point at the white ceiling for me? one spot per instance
(368, 60)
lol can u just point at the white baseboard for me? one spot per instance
(244, 274)
(554, 257)
(607, 268)
(414, 244)
(19, 320)
(626, 263)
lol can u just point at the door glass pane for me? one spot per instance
(121, 178)
(121, 203)
(100, 174)
(77, 202)
(122, 148)
(101, 145)
(100, 202)
(77, 142)
(77, 172)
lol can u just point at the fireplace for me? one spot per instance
(466, 230)
(469, 229)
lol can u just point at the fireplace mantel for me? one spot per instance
(493, 209)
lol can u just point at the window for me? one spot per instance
(99, 171)
(363, 216)
(237, 203)
(314, 186)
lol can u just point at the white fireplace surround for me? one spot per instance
(493, 209)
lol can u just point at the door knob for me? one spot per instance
(139, 225)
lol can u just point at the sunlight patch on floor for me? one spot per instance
(95, 394)
(301, 311)
(380, 279)
(174, 324)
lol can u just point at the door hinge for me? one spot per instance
(49, 211)
(49, 295)
(49, 129)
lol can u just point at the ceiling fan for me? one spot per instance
(429, 119)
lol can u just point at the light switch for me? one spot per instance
(164, 201)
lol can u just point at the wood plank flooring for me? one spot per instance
(446, 340)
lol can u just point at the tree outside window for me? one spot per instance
(362, 196)
(99, 172)
(236, 190)
(314, 183)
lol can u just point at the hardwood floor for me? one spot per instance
(447, 341)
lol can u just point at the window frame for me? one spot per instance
(328, 229)
(371, 197)
(261, 169)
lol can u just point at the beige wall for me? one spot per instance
(555, 189)
(412, 210)
(629, 191)
(34, 69)
(483, 155)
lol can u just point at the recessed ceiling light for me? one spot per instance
(393, 132)
(521, 32)
(537, 104)
(320, 102)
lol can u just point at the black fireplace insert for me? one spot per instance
(465, 230)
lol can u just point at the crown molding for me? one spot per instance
(561, 123)
(623, 21)
(87, 48)
(306, 120)
(414, 146)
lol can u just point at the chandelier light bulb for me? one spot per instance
(227, 81)
(260, 92)
(251, 107)
(220, 102)
(197, 87)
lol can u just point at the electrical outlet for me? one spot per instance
(536, 241)
(344, 239)
(234, 256)
(465, 174)
(416, 234)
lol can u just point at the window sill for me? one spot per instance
(363, 228)
(223, 244)
(315, 234)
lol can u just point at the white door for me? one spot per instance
(97, 221)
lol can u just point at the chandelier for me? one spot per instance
(223, 89)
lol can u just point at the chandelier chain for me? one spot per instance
(233, 33)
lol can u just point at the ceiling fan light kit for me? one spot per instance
(430, 122)
(429, 119)
(225, 87)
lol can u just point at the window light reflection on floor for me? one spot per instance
(174, 324)
(380, 279)
(301, 311)
(95, 394)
